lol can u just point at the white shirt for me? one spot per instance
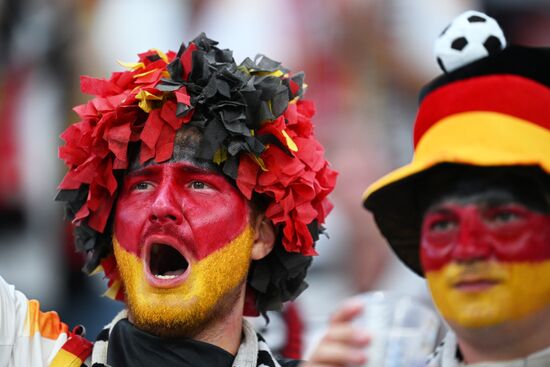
(539, 359)
(445, 356)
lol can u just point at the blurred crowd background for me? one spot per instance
(365, 61)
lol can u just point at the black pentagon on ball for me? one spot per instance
(459, 43)
(476, 19)
(493, 45)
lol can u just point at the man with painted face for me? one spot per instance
(197, 186)
(471, 212)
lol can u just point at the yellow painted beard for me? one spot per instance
(214, 282)
(523, 290)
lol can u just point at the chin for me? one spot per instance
(171, 321)
(164, 318)
(477, 309)
(479, 316)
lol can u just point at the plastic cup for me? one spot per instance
(403, 329)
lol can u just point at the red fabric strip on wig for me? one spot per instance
(508, 94)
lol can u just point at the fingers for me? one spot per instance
(348, 311)
(343, 344)
(337, 354)
(347, 334)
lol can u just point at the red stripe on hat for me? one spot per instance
(508, 94)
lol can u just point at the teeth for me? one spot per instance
(165, 276)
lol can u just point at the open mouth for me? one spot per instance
(165, 262)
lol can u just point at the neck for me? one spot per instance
(521, 338)
(225, 332)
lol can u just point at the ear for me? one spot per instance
(264, 237)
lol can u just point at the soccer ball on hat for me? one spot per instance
(470, 36)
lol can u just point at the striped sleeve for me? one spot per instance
(28, 336)
(73, 353)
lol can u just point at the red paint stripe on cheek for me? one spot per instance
(128, 226)
(433, 263)
(224, 223)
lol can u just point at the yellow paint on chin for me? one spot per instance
(193, 302)
(522, 290)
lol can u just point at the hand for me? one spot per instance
(343, 344)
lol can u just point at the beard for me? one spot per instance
(214, 287)
(189, 322)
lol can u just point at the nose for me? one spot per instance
(471, 244)
(166, 208)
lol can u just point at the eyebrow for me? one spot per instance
(488, 202)
(199, 170)
(438, 209)
(148, 170)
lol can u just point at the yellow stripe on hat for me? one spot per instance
(477, 138)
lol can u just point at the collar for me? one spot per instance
(448, 355)
(538, 359)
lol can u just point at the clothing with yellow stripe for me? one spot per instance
(31, 338)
